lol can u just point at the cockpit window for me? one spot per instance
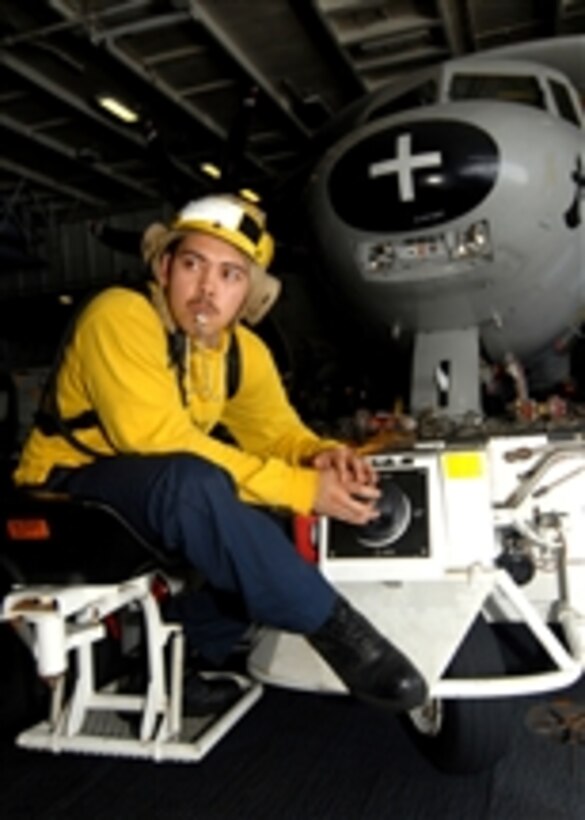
(525, 90)
(564, 102)
(423, 94)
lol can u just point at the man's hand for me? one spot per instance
(349, 467)
(351, 501)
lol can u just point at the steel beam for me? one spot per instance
(42, 179)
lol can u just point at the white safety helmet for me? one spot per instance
(236, 221)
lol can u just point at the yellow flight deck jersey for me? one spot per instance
(117, 364)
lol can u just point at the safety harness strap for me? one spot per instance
(49, 420)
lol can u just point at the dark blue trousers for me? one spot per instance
(190, 505)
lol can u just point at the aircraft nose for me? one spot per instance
(413, 174)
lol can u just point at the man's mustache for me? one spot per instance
(205, 305)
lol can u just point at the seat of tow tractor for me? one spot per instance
(51, 538)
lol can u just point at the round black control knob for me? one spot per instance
(395, 515)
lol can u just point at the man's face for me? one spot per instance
(206, 281)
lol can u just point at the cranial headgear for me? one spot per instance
(237, 222)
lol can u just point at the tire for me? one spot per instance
(466, 736)
(24, 698)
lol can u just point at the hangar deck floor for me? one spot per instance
(303, 757)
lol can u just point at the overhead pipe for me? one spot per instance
(47, 182)
(140, 26)
(57, 147)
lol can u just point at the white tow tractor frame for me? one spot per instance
(493, 531)
(63, 626)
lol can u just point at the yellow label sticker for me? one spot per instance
(463, 465)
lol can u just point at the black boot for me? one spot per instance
(367, 663)
(208, 696)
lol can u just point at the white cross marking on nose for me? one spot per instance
(404, 165)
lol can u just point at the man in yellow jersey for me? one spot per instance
(140, 386)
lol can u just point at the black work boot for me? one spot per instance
(368, 664)
(208, 696)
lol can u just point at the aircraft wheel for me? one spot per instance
(466, 736)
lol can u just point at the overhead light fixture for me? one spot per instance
(211, 170)
(117, 108)
(65, 299)
(251, 196)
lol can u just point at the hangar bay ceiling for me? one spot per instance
(242, 85)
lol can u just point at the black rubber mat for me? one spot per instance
(305, 757)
